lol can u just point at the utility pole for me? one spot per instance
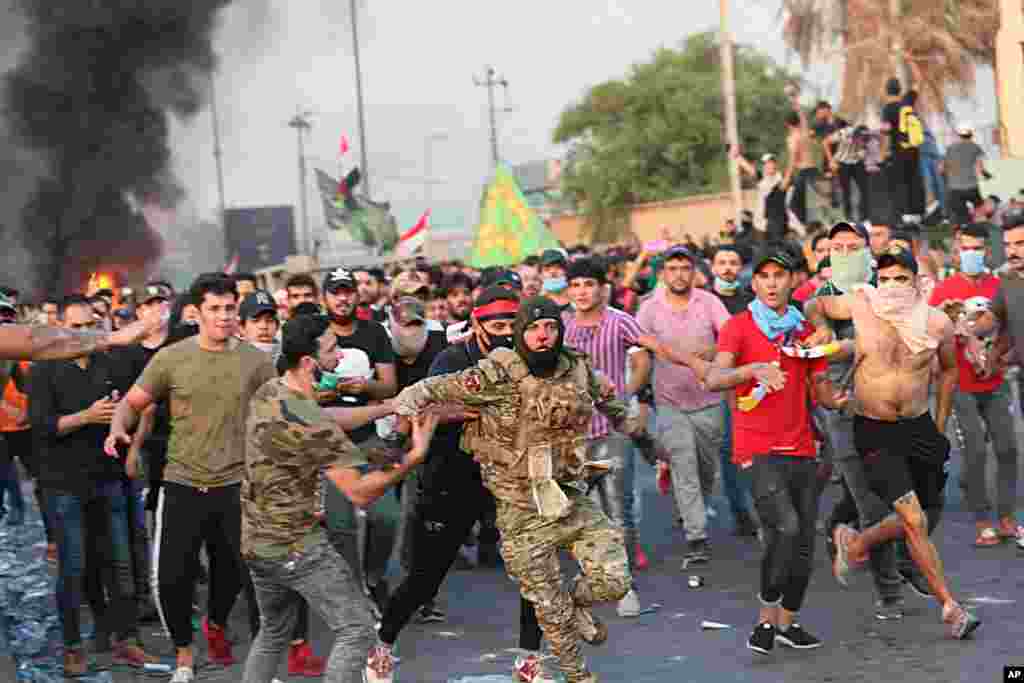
(300, 122)
(490, 80)
(898, 60)
(359, 99)
(729, 92)
(217, 154)
(428, 166)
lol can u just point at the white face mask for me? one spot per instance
(270, 348)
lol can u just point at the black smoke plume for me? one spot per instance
(91, 97)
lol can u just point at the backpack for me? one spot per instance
(911, 128)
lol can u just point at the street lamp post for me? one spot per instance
(300, 122)
(359, 100)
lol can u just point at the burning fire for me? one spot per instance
(98, 281)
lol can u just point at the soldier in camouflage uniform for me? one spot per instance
(535, 404)
(289, 441)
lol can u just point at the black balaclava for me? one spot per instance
(531, 310)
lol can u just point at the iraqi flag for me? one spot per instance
(232, 266)
(413, 239)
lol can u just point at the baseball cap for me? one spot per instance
(678, 251)
(408, 309)
(855, 228)
(765, 158)
(779, 258)
(502, 276)
(155, 290)
(552, 257)
(407, 283)
(125, 313)
(897, 256)
(255, 304)
(7, 304)
(339, 278)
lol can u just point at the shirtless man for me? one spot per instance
(800, 170)
(898, 337)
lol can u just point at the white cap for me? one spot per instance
(767, 157)
(965, 129)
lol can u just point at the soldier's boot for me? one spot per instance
(591, 629)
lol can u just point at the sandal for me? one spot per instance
(987, 537)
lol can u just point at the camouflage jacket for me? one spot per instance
(289, 439)
(530, 429)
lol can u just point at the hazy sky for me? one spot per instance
(419, 60)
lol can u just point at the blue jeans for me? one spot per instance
(94, 560)
(10, 488)
(735, 484)
(933, 180)
(614, 491)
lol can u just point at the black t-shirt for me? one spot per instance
(738, 302)
(891, 116)
(409, 374)
(128, 363)
(370, 339)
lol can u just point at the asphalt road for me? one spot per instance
(668, 643)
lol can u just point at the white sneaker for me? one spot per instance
(629, 606)
(380, 665)
(183, 674)
(531, 670)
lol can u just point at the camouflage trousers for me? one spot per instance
(530, 545)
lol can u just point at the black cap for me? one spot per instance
(255, 304)
(1013, 219)
(778, 257)
(897, 256)
(502, 276)
(855, 228)
(339, 278)
(553, 257)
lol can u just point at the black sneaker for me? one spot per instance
(430, 614)
(699, 553)
(796, 637)
(917, 583)
(762, 640)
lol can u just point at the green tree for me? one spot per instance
(658, 133)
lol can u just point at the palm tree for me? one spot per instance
(943, 41)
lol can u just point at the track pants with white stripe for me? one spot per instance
(186, 518)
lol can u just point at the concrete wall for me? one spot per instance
(697, 216)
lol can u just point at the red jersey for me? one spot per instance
(960, 288)
(781, 423)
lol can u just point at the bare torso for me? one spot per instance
(891, 382)
(800, 149)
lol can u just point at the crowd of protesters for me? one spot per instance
(261, 430)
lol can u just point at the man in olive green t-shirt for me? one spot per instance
(208, 380)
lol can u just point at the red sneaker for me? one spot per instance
(218, 647)
(302, 661)
(640, 558)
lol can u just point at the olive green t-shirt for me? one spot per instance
(209, 393)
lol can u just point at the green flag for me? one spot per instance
(509, 230)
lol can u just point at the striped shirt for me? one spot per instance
(607, 344)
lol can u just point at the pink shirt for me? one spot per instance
(691, 329)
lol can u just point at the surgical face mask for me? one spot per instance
(972, 262)
(555, 284)
(851, 269)
(726, 287)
